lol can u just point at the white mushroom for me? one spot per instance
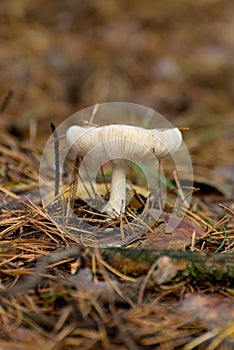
(120, 142)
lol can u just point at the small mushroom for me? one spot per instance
(120, 143)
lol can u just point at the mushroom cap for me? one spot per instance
(124, 141)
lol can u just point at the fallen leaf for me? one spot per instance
(178, 239)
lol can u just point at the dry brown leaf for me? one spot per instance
(180, 237)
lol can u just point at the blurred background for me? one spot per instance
(175, 56)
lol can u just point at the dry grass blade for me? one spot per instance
(144, 283)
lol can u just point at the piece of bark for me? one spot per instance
(211, 268)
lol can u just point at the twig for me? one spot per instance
(89, 179)
(145, 281)
(228, 210)
(95, 109)
(104, 179)
(180, 191)
(56, 154)
(193, 240)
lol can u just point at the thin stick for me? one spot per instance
(140, 220)
(184, 128)
(116, 272)
(159, 186)
(145, 281)
(9, 193)
(228, 210)
(74, 182)
(56, 154)
(121, 225)
(95, 109)
(180, 191)
(104, 179)
(193, 240)
(135, 193)
(85, 187)
(89, 179)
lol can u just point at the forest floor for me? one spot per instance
(156, 290)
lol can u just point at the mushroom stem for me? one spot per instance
(117, 201)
